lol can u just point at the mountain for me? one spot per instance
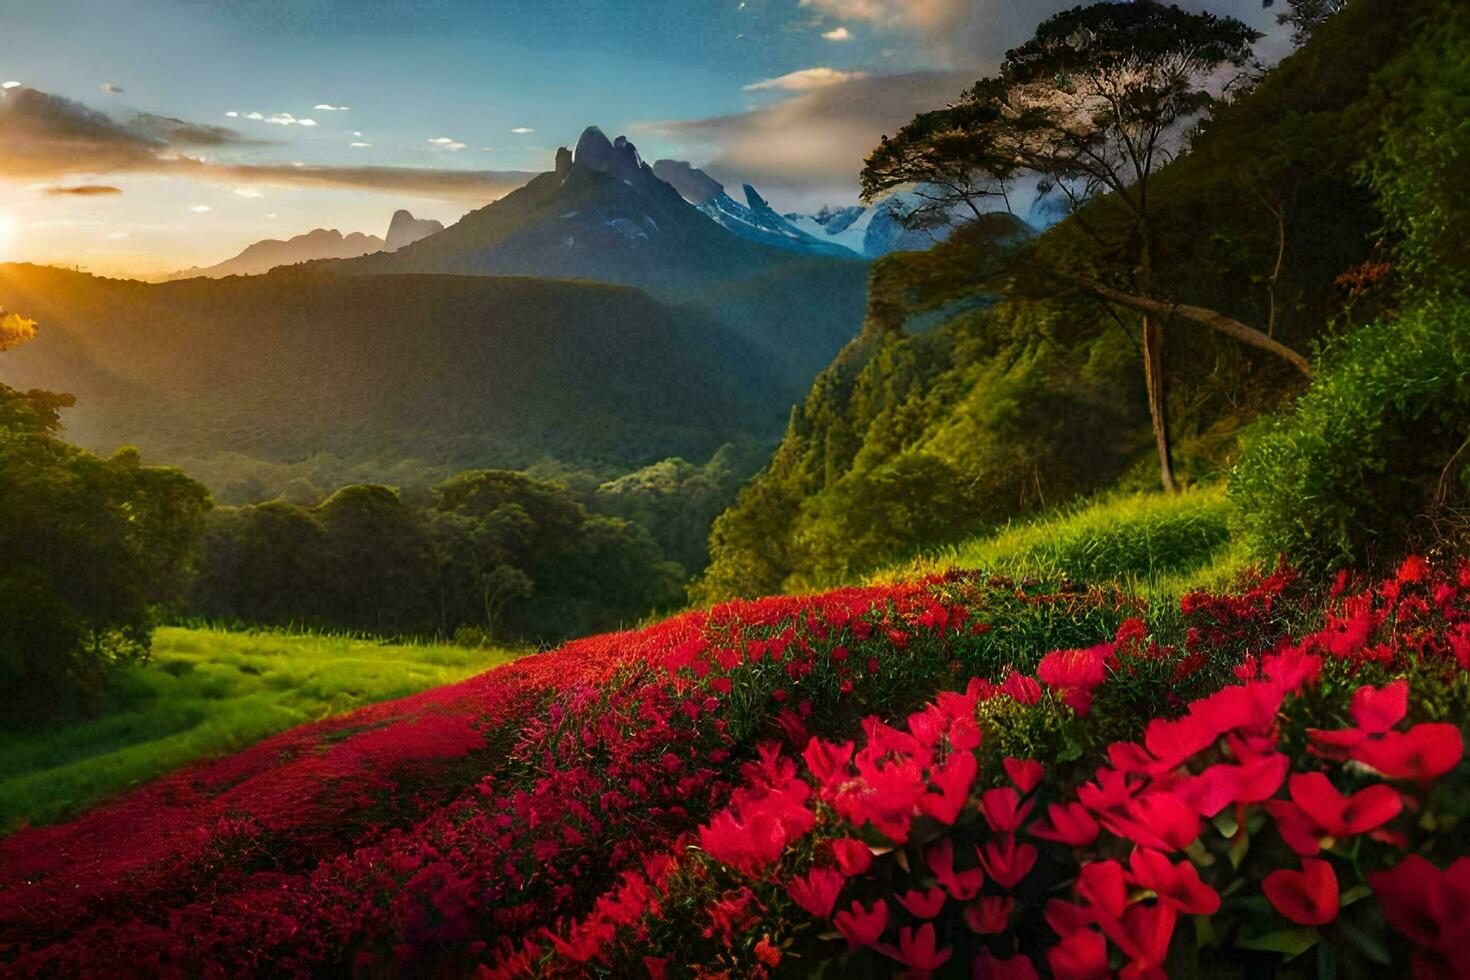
(755, 220)
(405, 229)
(386, 377)
(603, 214)
(262, 257)
(873, 231)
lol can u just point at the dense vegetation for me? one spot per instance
(489, 554)
(91, 548)
(986, 387)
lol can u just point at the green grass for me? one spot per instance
(1146, 543)
(206, 693)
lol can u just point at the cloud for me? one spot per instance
(248, 192)
(111, 88)
(816, 140)
(359, 145)
(327, 107)
(84, 190)
(837, 34)
(446, 143)
(49, 137)
(523, 130)
(806, 80)
(200, 208)
(9, 85)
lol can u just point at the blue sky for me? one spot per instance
(786, 93)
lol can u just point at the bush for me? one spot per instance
(90, 551)
(1372, 460)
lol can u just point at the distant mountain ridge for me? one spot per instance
(263, 256)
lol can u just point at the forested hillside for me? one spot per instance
(988, 384)
(404, 379)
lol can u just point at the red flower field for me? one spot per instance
(956, 777)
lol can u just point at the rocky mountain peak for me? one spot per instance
(405, 229)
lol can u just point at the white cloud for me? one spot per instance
(248, 192)
(838, 34)
(523, 130)
(254, 115)
(806, 80)
(446, 143)
(306, 122)
(233, 114)
(10, 85)
(356, 132)
(109, 87)
(359, 145)
(200, 208)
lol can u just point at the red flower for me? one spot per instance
(817, 892)
(916, 949)
(1025, 773)
(1003, 810)
(963, 885)
(1376, 710)
(1073, 674)
(1177, 885)
(766, 953)
(953, 780)
(1159, 820)
(1431, 909)
(989, 914)
(1023, 689)
(1066, 823)
(1005, 862)
(1082, 955)
(923, 904)
(1144, 934)
(1255, 779)
(1422, 753)
(1307, 897)
(1104, 887)
(862, 927)
(1343, 816)
(853, 856)
(828, 761)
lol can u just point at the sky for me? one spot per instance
(142, 136)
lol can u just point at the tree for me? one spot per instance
(91, 552)
(1305, 16)
(1093, 105)
(956, 159)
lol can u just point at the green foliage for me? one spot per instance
(677, 501)
(1373, 458)
(1421, 172)
(91, 550)
(206, 693)
(491, 552)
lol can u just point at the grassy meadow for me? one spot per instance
(1148, 544)
(207, 693)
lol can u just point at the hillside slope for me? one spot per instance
(367, 374)
(981, 390)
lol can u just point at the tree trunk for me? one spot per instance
(1153, 376)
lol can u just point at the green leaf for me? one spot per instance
(1369, 945)
(1353, 894)
(1226, 823)
(1292, 942)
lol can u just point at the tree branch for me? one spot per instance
(1215, 321)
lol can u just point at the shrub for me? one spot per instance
(1373, 457)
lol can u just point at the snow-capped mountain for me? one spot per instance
(755, 220)
(872, 231)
